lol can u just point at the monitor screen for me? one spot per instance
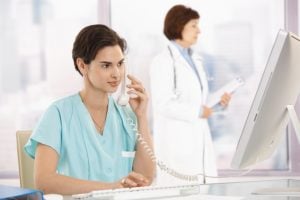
(268, 116)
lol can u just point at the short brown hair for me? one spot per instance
(176, 19)
(93, 38)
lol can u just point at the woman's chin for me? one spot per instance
(112, 90)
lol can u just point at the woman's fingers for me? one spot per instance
(133, 79)
(136, 87)
(134, 180)
(138, 96)
(138, 179)
(130, 183)
(207, 112)
(139, 88)
(225, 99)
(135, 84)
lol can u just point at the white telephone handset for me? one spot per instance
(124, 97)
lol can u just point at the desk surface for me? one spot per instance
(246, 188)
(241, 189)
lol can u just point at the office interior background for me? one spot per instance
(36, 66)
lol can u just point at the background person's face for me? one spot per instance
(190, 32)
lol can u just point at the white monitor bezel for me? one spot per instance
(256, 143)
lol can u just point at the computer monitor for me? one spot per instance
(268, 116)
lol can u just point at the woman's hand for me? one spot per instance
(207, 112)
(140, 102)
(134, 180)
(225, 99)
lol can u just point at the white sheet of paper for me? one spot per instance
(230, 87)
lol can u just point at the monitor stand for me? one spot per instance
(294, 119)
(285, 191)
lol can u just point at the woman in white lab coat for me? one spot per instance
(179, 90)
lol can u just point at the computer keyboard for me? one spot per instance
(149, 192)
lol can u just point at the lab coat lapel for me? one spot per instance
(181, 62)
(199, 65)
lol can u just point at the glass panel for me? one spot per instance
(35, 58)
(236, 39)
(298, 17)
(246, 188)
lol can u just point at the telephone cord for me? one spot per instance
(168, 170)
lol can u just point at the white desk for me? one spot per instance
(241, 188)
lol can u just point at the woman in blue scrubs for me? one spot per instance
(87, 141)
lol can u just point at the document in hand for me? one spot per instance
(214, 98)
(10, 192)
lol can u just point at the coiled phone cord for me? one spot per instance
(154, 159)
(168, 170)
(176, 174)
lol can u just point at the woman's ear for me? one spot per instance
(81, 66)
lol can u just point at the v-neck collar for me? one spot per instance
(88, 117)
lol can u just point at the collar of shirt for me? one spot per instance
(186, 52)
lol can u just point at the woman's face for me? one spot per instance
(190, 32)
(106, 71)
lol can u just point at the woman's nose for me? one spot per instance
(116, 73)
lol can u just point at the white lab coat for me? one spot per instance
(178, 130)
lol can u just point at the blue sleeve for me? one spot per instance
(129, 122)
(47, 131)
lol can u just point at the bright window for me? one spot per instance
(36, 63)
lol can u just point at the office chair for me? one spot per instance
(25, 162)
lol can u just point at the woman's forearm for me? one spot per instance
(65, 185)
(143, 163)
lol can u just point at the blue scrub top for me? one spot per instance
(68, 128)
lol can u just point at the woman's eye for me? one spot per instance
(121, 64)
(105, 66)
